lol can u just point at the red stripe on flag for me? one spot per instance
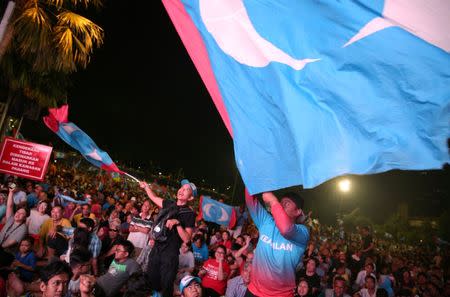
(193, 41)
(232, 219)
(112, 167)
(200, 209)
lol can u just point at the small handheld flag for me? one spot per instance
(214, 211)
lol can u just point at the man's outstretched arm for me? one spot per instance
(157, 200)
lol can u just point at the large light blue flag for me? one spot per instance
(311, 90)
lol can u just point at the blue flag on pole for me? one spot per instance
(58, 122)
(311, 90)
(214, 211)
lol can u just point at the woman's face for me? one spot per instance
(219, 254)
(42, 207)
(114, 215)
(184, 248)
(302, 288)
(406, 275)
(311, 266)
(145, 207)
(370, 284)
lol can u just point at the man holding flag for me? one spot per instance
(173, 226)
(282, 242)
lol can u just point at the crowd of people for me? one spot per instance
(81, 233)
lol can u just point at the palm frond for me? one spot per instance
(33, 29)
(75, 3)
(76, 37)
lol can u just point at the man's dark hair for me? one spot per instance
(371, 265)
(221, 246)
(371, 277)
(341, 265)
(80, 237)
(79, 256)
(197, 237)
(316, 262)
(29, 239)
(381, 292)
(422, 274)
(138, 286)
(26, 209)
(189, 245)
(54, 268)
(59, 206)
(127, 245)
(88, 222)
(296, 198)
(339, 278)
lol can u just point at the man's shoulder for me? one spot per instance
(235, 280)
(65, 222)
(168, 203)
(132, 265)
(48, 221)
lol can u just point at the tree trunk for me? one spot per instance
(16, 133)
(3, 115)
(6, 31)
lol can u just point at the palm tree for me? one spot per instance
(51, 35)
(41, 43)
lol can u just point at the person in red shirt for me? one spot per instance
(226, 241)
(214, 274)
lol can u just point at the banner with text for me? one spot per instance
(24, 159)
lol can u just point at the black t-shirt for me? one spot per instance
(366, 241)
(186, 216)
(313, 280)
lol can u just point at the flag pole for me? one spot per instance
(132, 177)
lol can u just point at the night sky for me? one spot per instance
(171, 119)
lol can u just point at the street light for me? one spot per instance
(344, 185)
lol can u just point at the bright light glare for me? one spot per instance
(344, 185)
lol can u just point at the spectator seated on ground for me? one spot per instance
(190, 286)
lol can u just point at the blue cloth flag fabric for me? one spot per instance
(57, 121)
(214, 211)
(319, 89)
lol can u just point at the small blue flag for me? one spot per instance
(214, 211)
